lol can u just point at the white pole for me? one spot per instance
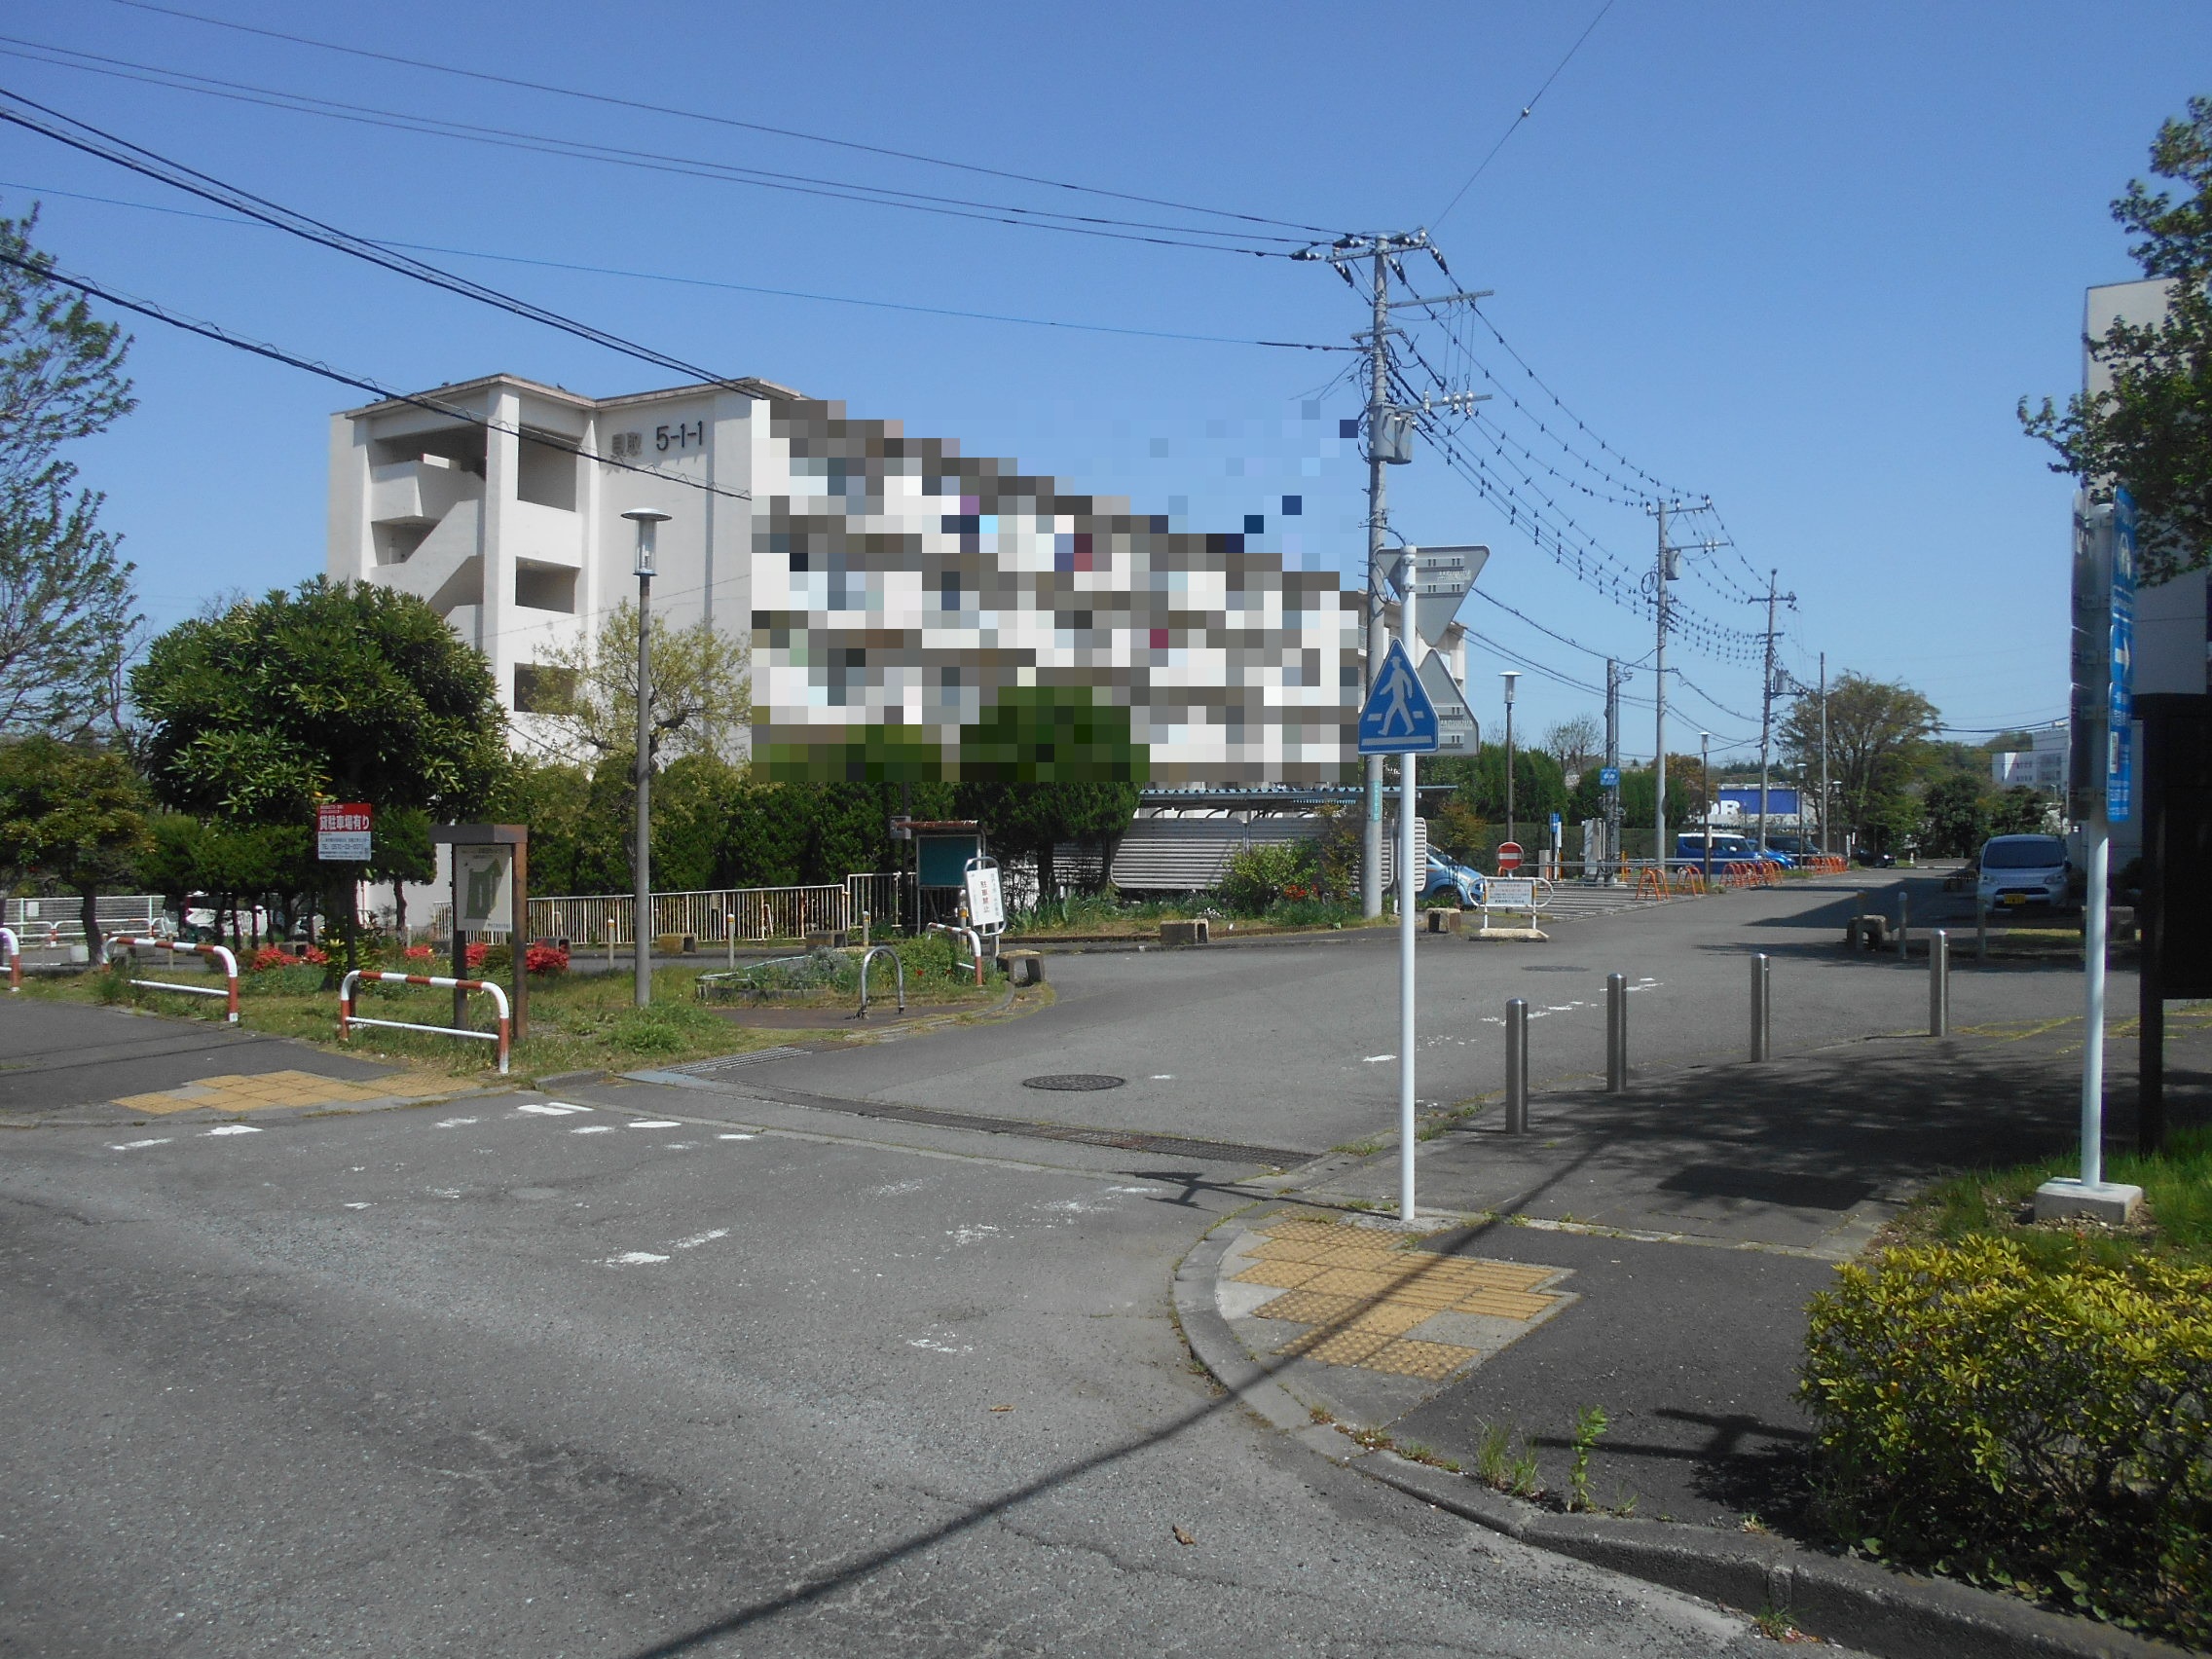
(2093, 1034)
(1406, 891)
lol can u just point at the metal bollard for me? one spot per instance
(1616, 1032)
(1938, 983)
(1516, 1067)
(1980, 930)
(1762, 1007)
(1905, 925)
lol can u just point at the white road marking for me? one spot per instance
(1145, 1189)
(234, 1129)
(678, 1146)
(972, 1234)
(594, 1129)
(892, 1189)
(634, 1259)
(445, 1192)
(1161, 1077)
(699, 1239)
(133, 1146)
(935, 1346)
(1377, 1059)
(735, 1137)
(455, 1122)
(654, 1123)
(356, 1206)
(551, 1109)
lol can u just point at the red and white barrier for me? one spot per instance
(14, 960)
(348, 1018)
(220, 953)
(974, 945)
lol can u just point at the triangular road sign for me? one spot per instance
(1457, 730)
(1441, 578)
(1398, 717)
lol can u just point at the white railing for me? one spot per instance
(723, 915)
(47, 922)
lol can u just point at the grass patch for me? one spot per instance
(576, 1022)
(2175, 1223)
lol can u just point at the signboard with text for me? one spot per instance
(341, 832)
(484, 881)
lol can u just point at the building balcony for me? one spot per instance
(418, 491)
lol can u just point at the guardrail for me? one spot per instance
(348, 1018)
(14, 960)
(975, 946)
(217, 952)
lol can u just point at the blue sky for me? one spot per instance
(1802, 259)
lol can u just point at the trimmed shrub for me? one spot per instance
(541, 958)
(2040, 1427)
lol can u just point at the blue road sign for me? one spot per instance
(2119, 750)
(1609, 776)
(1398, 718)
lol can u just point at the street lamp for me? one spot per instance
(640, 862)
(1509, 675)
(1704, 791)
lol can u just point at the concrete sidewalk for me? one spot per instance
(1647, 1253)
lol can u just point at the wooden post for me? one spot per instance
(459, 948)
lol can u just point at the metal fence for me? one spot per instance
(721, 915)
(36, 920)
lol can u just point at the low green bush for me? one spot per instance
(2040, 1427)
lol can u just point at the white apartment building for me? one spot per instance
(879, 580)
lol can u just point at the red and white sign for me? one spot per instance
(341, 832)
(1508, 855)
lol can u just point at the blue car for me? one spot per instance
(1726, 850)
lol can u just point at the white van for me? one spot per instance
(2020, 870)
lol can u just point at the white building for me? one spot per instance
(2039, 768)
(882, 581)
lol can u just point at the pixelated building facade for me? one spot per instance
(890, 587)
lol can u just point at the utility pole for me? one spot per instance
(1510, 677)
(1377, 529)
(1613, 761)
(1770, 688)
(1823, 754)
(1662, 574)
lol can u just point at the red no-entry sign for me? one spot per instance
(1508, 855)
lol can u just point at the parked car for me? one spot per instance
(1874, 858)
(2022, 870)
(1794, 847)
(1726, 850)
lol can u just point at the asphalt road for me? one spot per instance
(486, 1379)
(1295, 1046)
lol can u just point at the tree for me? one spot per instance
(73, 814)
(335, 692)
(702, 694)
(2152, 429)
(1573, 743)
(2019, 811)
(67, 616)
(1954, 817)
(1877, 729)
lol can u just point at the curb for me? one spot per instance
(1878, 1609)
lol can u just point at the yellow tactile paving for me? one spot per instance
(1361, 1291)
(263, 1091)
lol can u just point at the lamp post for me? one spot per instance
(640, 861)
(1705, 793)
(1509, 675)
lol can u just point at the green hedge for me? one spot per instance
(2042, 1428)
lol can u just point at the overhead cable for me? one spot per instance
(680, 113)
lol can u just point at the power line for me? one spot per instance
(680, 113)
(149, 164)
(699, 282)
(1514, 126)
(880, 196)
(47, 272)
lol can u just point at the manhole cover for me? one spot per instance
(1074, 1083)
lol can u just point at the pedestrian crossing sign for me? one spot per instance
(1398, 718)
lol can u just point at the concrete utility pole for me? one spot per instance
(1378, 580)
(1771, 688)
(1663, 574)
(640, 862)
(1613, 759)
(1824, 753)
(1705, 793)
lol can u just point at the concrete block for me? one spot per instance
(1445, 921)
(2111, 1202)
(676, 944)
(1185, 932)
(1023, 967)
(826, 939)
